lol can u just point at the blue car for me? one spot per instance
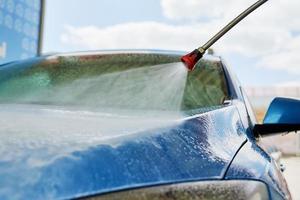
(134, 125)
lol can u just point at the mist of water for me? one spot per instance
(156, 88)
(119, 105)
(149, 88)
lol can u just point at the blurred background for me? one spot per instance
(263, 50)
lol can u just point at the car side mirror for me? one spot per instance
(283, 116)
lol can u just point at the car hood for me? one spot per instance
(54, 153)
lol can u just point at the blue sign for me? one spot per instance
(20, 29)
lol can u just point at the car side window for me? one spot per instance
(205, 87)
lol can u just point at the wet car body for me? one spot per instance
(216, 146)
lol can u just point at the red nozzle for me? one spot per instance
(191, 59)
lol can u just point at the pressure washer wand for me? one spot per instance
(192, 58)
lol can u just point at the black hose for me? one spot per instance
(232, 24)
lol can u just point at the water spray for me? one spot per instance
(192, 58)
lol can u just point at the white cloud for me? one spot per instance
(266, 35)
(286, 58)
(136, 35)
(180, 37)
(201, 9)
(279, 13)
(286, 61)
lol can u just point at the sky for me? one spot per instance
(262, 50)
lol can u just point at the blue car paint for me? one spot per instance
(283, 111)
(205, 147)
(254, 164)
(196, 149)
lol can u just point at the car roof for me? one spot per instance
(50, 56)
(129, 51)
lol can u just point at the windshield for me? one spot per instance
(140, 82)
